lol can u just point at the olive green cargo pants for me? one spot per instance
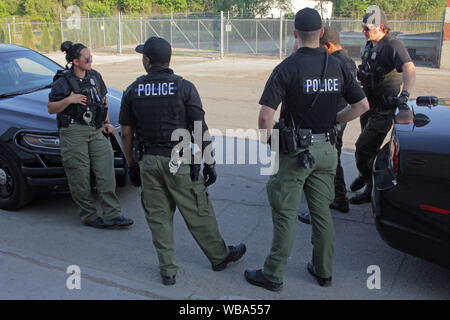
(82, 148)
(284, 193)
(161, 193)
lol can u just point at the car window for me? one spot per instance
(24, 71)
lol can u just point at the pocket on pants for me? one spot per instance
(202, 199)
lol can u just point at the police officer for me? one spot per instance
(78, 96)
(153, 108)
(331, 42)
(309, 83)
(386, 65)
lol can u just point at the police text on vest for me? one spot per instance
(314, 85)
(156, 89)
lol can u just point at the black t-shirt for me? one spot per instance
(390, 53)
(295, 82)
(62, 89)
(348, 63)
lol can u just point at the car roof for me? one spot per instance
(11, 48)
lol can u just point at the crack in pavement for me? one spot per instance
(91, 278)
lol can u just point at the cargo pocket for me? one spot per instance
(202, 199)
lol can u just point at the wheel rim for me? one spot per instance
(6, 181)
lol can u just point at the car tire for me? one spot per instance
(14, 191)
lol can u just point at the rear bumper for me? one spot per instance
(397, 226)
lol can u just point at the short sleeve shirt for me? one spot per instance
(392, 54)
(290, 83)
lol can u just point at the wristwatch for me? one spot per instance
(404, 93)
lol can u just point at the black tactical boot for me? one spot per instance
(236, 252)
(358, 183)
(304, 217)
(340, 205)
(364, 197)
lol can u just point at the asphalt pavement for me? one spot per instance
(42, 240)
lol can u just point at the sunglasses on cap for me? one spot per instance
(367, 28)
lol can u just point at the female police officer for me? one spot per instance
(78, 96)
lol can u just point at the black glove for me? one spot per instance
(209, 173)
(134, 174)
(195, 171)
(401, 100)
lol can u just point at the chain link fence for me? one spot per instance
(218, 34)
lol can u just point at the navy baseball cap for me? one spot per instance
(308, 19)
(157, 49)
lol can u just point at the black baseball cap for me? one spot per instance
(157, 49)
(330, 34)
(370, 18)
(308, 19)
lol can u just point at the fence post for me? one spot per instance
(221, 34)
(119, 44)
(62, 25)
(281, 34)
(198, 34)
(9, 32)
(89, 30)
(14, 24)
(104, 32)
(171, 32)
(256, 49)
(140, 20)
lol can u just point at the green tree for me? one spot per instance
(173, 5)
(98, 9)
(28, 36)
(46, 42)
(3, 9)
(57, 38)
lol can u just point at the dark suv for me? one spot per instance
(30, 161)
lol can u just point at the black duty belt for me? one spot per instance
(82, 122)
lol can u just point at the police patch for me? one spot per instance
(332, 85)
(156, 89)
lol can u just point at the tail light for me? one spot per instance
(394, 150)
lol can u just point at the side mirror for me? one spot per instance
(427, 101)
(421, 120)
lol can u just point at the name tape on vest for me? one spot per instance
(156, 89)
(314, 85)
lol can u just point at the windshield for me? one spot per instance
(23, 71)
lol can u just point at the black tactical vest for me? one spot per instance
(89, 87)
(375, 79)
(158, 108)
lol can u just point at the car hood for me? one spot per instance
(428, 136)
(29, 111)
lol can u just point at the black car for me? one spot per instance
(411, 197)
(30, 161)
